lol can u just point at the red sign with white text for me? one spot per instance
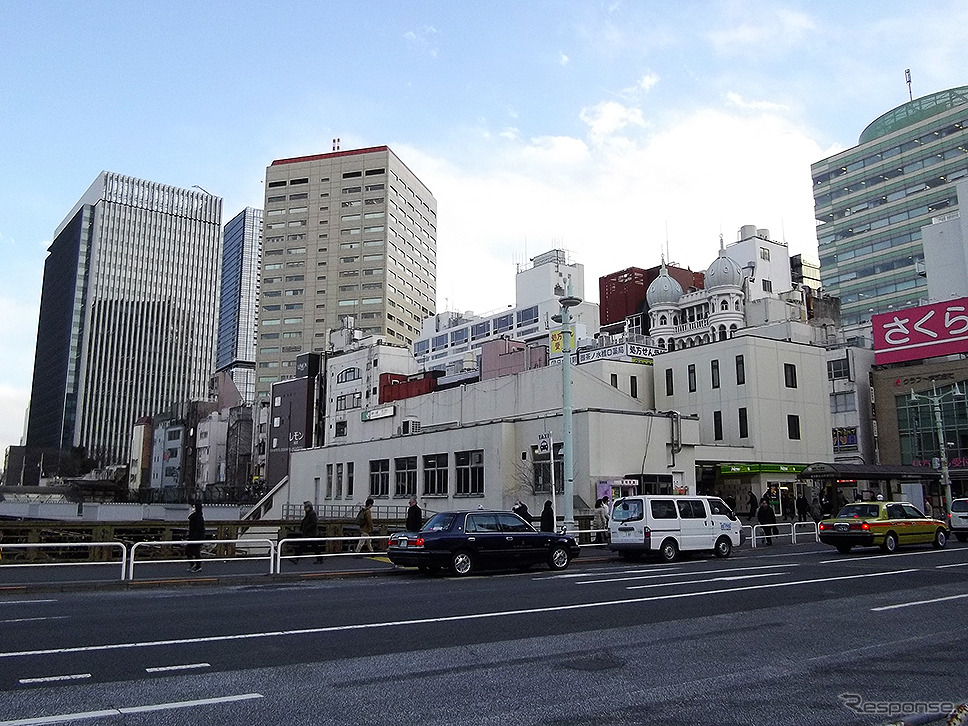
(927, 331)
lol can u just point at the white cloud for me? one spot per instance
(610, 199)
(563, 59)
(767, 29)
(422, 40)
(734, 99)
(647, 82)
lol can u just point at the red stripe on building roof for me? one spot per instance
(331, 155)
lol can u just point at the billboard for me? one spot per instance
(927, 331)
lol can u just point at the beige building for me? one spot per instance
(348, 234)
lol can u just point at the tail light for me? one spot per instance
(646, 535)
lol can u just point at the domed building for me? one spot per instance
(683, 320)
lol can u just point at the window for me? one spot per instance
(329, 481)
(348, 401)
(744, 428)
(348, 374)
(692, 378)
(718, 425)
(691, 509)
(614, 380)
(764, 253)
(503, 323)
(341, 428)
(542, 469)
(350, 467)
(790, 375)
(838, 369)
(380, 478)
(352, 174)
(793, 426)
(767, 285)
(480, 330)
(470, 472)
(633, 386)
(405, 476)
(663, 509)
(842, 402)
(528, 316)
(668, 377)
(435, 475)
(714, 373)
(304, 180)
(740, 371)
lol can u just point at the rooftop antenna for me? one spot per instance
(907, 77)
(336, 144)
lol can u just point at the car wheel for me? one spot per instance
(559, 558)
(844, 549)
(890, 543)
(461, 563)
(723, 547)
(940, 539)
(668, 550)
(962, 536)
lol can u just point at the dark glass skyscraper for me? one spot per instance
(127, 314)
(239, 299)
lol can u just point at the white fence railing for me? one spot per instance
(5, 548)
(248, 543)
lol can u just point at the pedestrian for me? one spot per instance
(548, 517)
(309, 528)
(751, 506)
(196, 533)
(815, 511)
(414, 516)
(803, 508)
(600, 521)
(521, 509)
(766, 516)
(365, 521)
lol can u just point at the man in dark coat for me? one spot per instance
(766, 516)
(196, 532)
(548, 517)
(309, 527)
(414, 516)
(521, 509)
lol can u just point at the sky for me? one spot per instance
(618, 130)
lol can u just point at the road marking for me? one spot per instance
(188, 666)
(52, 679)
(677, 574)
(701, 582)
(893, 556)
(959, 564)
(918, 602)
(107, 713)
(28, 620)
(434, 620)
(24, 602)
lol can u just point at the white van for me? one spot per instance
(664, 525)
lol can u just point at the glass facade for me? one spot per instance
(239, 300)
(127, 325)
(872, 200)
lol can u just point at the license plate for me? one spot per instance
(402, 543)
(840, 527)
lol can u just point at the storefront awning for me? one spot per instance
(869, 472)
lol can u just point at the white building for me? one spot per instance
(945, 243)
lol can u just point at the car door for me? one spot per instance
(696, 525)
(484, 538)
(900, 524)
(524, 544)
(627, 523)
(922, 527)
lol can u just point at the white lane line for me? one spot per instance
(24, 602)
(918, 602)
(959, 564)
(573, 575)
(187, 666)
(703, 582)
(107, 713)
(893, 556)
(52, 679)
(434, 620)
(30, 620)
(678, 574)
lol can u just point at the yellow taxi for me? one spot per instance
(887, 525)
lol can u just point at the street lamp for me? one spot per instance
(935, 402)
(568, 510)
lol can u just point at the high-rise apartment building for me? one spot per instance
(872, 200)
(127, 313)
(239, 300)
(348, 234)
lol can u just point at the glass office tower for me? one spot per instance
(127, 314)
(872, 200)
(239, 300)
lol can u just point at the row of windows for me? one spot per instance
(477, 331)
(891, 151)
(789, 375)
(468, 475)
(879, 223)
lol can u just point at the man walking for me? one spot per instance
(365, 521)
(414, 516)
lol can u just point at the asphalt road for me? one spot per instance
(784, 635)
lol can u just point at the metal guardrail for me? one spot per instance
(268, 542)
(766, 531)
(308, 542)
(61, 545)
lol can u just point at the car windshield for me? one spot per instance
(626, 510)
(859, 511)
(439, 522)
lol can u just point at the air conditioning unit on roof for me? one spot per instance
(410, 426)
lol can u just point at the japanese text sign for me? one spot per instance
(927, 331)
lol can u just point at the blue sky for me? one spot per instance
(613, 129)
